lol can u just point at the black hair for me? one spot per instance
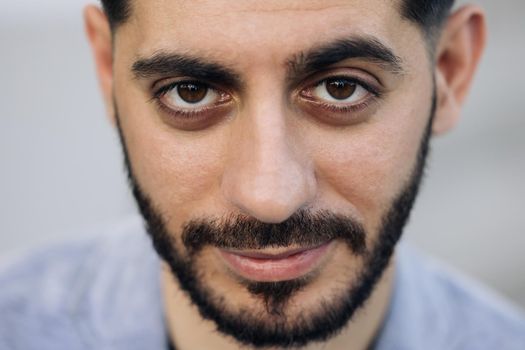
(429, 15)
(117, 11)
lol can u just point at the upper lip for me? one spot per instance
(257, 254)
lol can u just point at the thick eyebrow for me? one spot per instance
(173, 64)
(364, 48)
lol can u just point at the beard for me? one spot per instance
(271, 324)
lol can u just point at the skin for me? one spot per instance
(271, 153)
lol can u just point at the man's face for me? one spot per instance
(237, 116)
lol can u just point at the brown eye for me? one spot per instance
(192, 92)
(191, 104)
(340, 89)
(191, 95)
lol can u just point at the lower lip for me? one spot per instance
(275, 269)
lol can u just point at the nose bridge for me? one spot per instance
(267, 178)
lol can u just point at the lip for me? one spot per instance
(265, 266)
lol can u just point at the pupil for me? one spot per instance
(192, 92)
(340, 89)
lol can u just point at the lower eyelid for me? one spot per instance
(344, 108)
(340, 113)
(187, 113)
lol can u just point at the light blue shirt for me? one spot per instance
(104, 293)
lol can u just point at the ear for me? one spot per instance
(457, 56)
(99, 35)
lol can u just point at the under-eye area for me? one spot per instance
(190, 104)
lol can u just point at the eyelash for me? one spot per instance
(180, 113)
(342, 108)
(330, 107)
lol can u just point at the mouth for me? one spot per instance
(273, 266)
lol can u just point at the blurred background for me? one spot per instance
(61, 169)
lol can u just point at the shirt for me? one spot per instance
(104, 293)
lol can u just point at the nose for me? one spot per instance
(268, 176)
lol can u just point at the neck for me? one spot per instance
(188, 330)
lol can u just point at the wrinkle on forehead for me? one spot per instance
(246, 32)
(219, 16)
(269, 5)
(212, 8)
(295, 8)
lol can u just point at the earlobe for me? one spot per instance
(457, 56)
(99, 35)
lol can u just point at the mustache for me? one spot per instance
(303, 228)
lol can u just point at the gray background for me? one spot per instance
(61, 168)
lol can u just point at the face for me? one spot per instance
(275, 149)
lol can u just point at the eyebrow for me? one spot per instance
(164, 63)
(364, 48)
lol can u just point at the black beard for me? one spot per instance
(274, 327)
(239, 232)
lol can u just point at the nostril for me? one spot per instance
(270, 196)
(269, 212)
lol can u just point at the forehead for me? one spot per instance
(247, 29)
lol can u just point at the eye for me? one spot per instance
(188, 96)
(191, 104)
(340, 90)
(341, 99)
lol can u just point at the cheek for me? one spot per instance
(175, 170)
(366, 167)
